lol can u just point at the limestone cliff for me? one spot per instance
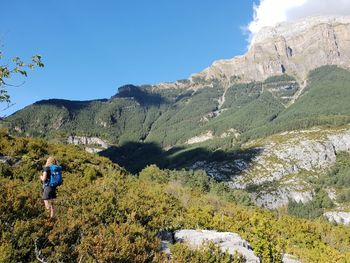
(89, 141)
(294, 48)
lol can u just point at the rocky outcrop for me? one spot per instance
(294, 48)
(227, 241)
(221, 171)
(296, 155)
(292, 157)
(287, 258)
(278, 160)
(83, 140)
(277, 197)
(340, 142)
(230, 132)
(338, 217)
(201, 138)
(278, 173)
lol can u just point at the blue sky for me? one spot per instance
(90, 48)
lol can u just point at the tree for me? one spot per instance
(16, 66)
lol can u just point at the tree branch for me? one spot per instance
(15, 86)
(8, 106)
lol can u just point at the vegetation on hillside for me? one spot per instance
(107, 215)
(324, 102)
(339, 178)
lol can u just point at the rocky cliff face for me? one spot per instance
(88, 141)
(293, 48)
(300, 151)
(282, 169)
(285, 161)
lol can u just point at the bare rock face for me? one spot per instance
(201, 138)
(275, 173)
(341, 142)
(276, 198)
(231, 242)
(294, 48)
(83, 140)
(278, 172)
(338, 217)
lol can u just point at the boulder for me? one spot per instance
(287, 258)
(227, 241)
(338, 217)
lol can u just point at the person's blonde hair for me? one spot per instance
(50, 160)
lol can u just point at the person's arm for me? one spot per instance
(43, 177)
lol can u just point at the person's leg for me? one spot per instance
(49, 195)
(46, 197)
(52, 209)
(47, 205)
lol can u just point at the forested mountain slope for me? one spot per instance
(219, 113)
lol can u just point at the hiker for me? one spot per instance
(51, 178)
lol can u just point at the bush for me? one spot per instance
(207, 253)
(313, 208)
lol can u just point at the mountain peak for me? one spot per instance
(292, 28)
(293, 48)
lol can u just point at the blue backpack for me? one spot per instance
(56, 175)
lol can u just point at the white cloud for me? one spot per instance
(320, 7)
(271, 12)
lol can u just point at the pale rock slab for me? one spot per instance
(201, 138)
(288, 258)
(338, 217)
(231, 242)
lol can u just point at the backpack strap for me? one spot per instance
(48, 176)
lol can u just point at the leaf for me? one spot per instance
(16, 59)
(23, 72)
